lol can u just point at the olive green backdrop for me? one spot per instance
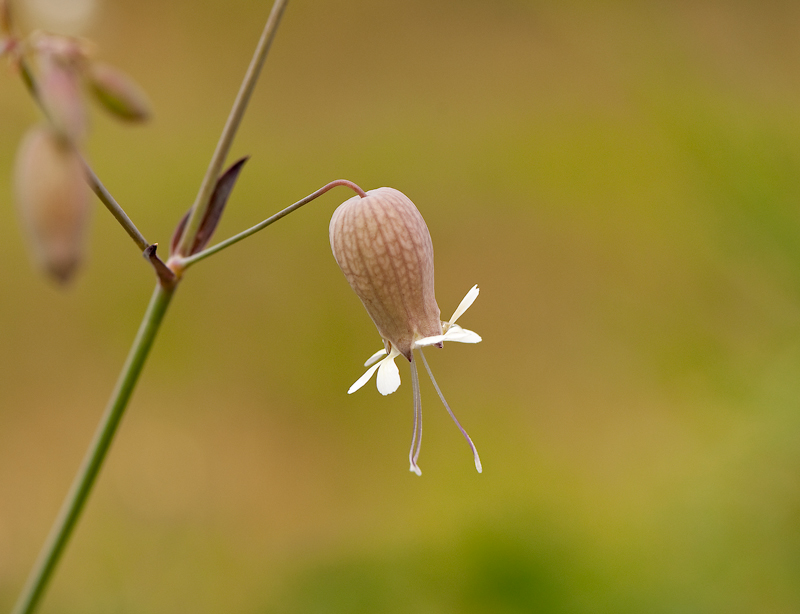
(622, 179)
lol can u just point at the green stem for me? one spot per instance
(201, 203)
(184, 263)
(93, 461)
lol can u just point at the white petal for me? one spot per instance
(461, 335)
(465, 303)
(388, 374)
(375, 356)
(429, 340)
(363, 379)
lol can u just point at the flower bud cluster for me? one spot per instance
(67, 72)
(52, 196)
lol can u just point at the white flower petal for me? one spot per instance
(461, 335)
(465, 303)
(375, 356)
(429, 340)
(363, 379)
(388, 374)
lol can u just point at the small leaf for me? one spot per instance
(216, 206)
(118, 93)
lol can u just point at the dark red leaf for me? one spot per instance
(219, 199)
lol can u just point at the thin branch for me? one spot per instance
(95, 456)
(179, 264)
(105, 197)
(201, 203)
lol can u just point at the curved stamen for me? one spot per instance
(478, 465)
(416, 439)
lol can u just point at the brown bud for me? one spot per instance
(118, 93)
(53, 201)
(384, 249)
(6, 23)
(62, 98)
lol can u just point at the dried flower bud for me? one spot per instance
(118, 93)
(62, 98)
(384, 249)
(53, 201)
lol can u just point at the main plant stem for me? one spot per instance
(214, 169)
(93, 461)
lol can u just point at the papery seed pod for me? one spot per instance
(53, 201)
(384, 249)
(118, 93)
(62, 98)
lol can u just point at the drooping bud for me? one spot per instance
(61, 96)
(384, 249)
(53, 201)
(118, 93)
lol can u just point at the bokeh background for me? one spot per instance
(621, 178)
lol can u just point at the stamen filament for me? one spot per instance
(416, 439)
(478, 465)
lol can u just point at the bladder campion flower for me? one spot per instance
(383, 246)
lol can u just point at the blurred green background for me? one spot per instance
(622, 179)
